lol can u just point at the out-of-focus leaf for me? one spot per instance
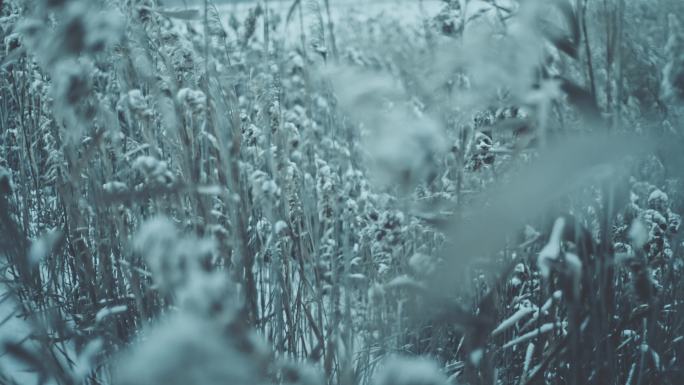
(565, 38)
(559, 170)
(43, 246)
(291, 10)
(559, 38)
(580, 98)
(570, 18)
(27, 357)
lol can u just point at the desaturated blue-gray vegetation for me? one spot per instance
(323, 192)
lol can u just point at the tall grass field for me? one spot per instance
(341, 192)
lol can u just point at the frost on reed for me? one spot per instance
(410, 371)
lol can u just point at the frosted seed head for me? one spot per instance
(658, 200)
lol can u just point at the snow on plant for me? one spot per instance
(206, 209)
(263, 187)
(403, 145)
(186, 348)
(138, 104)
(193, 100)
(551, 251)
(71, 82)
(156, 242)
(81, 28)
(422, 265)
(410, 371)
(43, 246)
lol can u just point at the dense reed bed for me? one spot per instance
(320, 193)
